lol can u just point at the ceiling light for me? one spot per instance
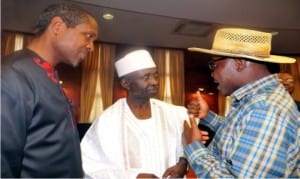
(107, 16)
(201, 89)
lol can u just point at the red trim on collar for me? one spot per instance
(51, 72)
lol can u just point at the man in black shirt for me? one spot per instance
(39, 138)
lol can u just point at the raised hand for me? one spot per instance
(198, 107)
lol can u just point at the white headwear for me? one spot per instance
(134, 61)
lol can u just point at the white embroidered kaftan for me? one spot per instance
(118, 145)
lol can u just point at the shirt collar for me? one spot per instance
(268, 82)
(50, 70)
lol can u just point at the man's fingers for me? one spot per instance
(205, 137)
(205, 133)
(187, 124)
(192, 120)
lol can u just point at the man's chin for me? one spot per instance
(76, 63)
(152, 95)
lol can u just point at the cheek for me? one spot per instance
(65, 43)
(72, 40)
(227, 79)
(219, 74)
(67, 52)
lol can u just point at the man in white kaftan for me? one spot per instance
(118, 145)
(138, 136)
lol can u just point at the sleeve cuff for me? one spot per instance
(195, 150)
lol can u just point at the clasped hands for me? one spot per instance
(197, 108)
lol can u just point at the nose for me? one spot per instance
(212, 74)
(90, 46)
(153, 80)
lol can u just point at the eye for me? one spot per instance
(90, 36)
(156, 75)
(212, 66)
(146, 77)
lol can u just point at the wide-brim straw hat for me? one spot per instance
(244, 43)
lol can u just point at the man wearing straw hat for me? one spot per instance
(260, 136)
(138, 136)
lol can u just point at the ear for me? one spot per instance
(240, 64)
(56, 25)
(125, 83)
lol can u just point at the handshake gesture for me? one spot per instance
(197, 108)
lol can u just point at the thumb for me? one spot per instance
(192, 121)
(204, 108)
(199, 96)
(186, 124)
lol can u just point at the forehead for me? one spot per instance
(144, 72)
(90, 25)
(92, 21)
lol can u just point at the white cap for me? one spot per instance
(134, 61)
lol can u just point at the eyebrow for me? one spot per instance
(219, 58)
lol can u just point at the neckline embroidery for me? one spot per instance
(50, 70)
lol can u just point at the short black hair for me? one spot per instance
(71, 14)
